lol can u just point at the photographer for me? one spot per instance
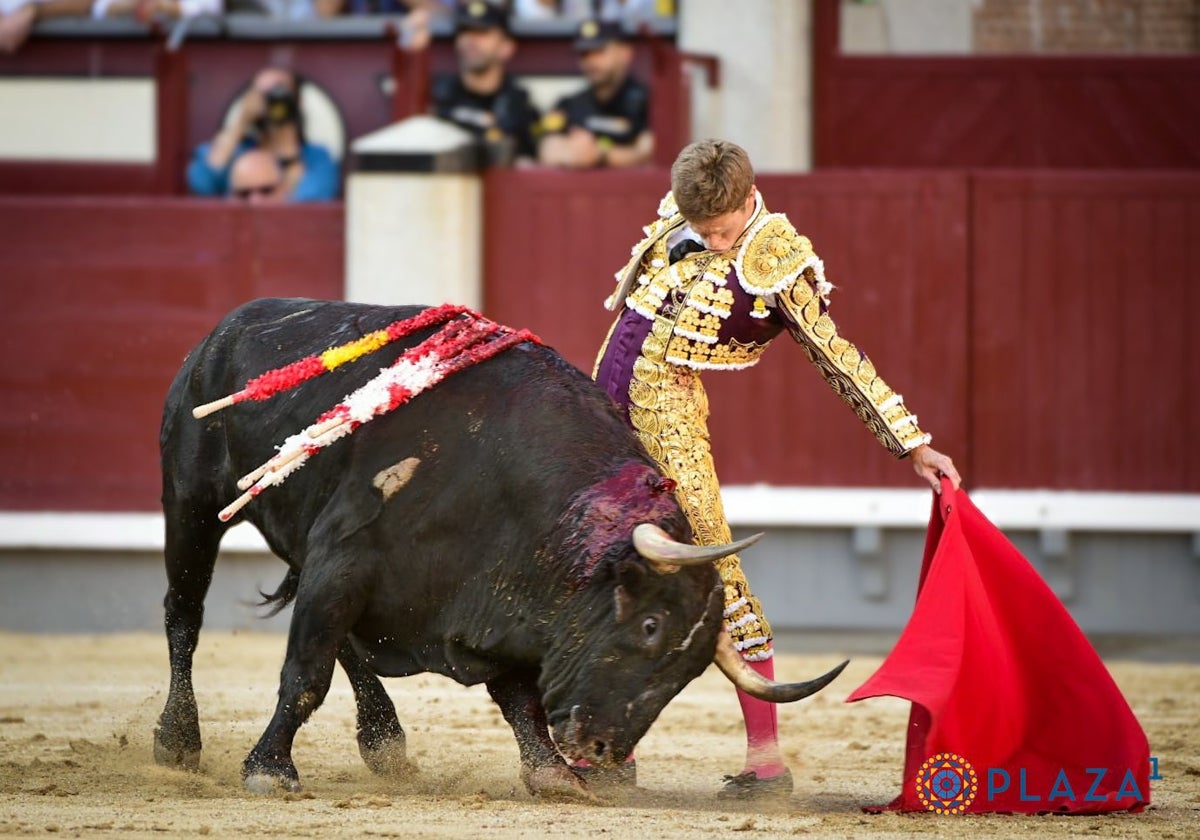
(267, 117)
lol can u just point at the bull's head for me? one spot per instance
(648, 622)
(667, 555)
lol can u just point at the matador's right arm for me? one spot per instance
(777, 261)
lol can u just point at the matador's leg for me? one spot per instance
(674, 432)
(670, 412)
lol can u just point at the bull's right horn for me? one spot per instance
(657, 546)
(756, 685)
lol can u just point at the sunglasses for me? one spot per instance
(264, 190)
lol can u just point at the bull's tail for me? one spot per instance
(282, 596)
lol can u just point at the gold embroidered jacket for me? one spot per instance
(726, 307)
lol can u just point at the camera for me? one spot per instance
(282, 105)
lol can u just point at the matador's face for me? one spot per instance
(720, 233)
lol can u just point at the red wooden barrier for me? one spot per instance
(1041, 324)
(1010, 111)
(410, 75)
(102, 299)
(1085, 356)
(171, 104)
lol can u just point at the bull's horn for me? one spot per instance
(756, 685)
(657, 546)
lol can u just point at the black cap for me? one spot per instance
(479, 14)
(594, 34)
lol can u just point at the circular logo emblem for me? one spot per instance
(947, 784)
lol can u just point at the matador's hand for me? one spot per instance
(931, 465)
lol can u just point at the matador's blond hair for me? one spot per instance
(711, 178)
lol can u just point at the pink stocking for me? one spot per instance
(762, 728)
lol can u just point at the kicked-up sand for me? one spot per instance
(77, 716)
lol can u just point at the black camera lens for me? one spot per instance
(282, 106)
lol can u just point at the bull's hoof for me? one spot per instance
(387, 759)
(174, 758)
(177, 737)
(266, 784)
(259, 776)
(557, 782)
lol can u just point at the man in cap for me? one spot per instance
(483, 97)
(607, 123)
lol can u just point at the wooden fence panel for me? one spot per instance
(1063, 111)
(1084, 311)
(102, 299)
(1041, 324)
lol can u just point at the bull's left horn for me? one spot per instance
(756, 685)
(657, 546)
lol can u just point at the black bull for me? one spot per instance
(485, 531)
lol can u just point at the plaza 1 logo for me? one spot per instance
(948, 784)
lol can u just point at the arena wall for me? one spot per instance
(1039, 322)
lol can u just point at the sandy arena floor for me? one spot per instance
(77, 715)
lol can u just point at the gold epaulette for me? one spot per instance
(773, 255)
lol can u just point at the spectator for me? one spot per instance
(256, 178)
(483, 97)
(417, 15)
(627, 11)
(387, 7)
(607, 123)
(146, 10)
(17, 18)
(267, 116)
(551, 9)
(634, 11)
(415, 26)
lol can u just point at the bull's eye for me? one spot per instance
(650, 628)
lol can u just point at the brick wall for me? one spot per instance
(1087, 26)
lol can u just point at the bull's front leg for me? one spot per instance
(543, 769)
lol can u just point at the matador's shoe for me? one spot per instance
(749, 786)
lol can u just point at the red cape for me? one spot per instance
(1004, 682)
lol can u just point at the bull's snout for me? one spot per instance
(579, 737)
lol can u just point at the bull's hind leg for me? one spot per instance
(543, 769)
(381, 741)
(191, 553)
(328, 601)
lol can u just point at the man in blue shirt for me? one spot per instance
(268, 117)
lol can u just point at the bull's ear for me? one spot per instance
(631, 580)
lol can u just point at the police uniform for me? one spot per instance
(507, 112)
(620, 120)
(683, 310)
